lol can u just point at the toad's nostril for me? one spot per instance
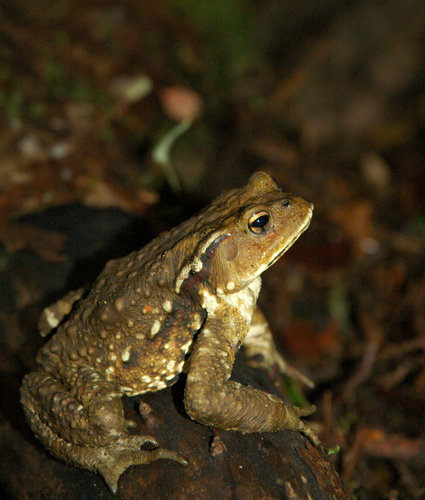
(286, 203)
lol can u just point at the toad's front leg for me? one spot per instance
(83, 423)
(211, 398)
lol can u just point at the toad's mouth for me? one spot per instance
(293, 239)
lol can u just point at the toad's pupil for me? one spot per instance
(260, 221)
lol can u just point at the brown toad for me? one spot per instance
(186, 301)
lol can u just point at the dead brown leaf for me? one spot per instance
(48, 245)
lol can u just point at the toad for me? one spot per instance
(184, 302)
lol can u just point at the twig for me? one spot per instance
(397, 350)
(327, 418)
(374, 336)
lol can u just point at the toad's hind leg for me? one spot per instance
(261, 350)
(86, 430)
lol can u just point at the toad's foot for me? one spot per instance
(114, 459)
(297, 412)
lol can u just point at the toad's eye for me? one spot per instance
(259, 222)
